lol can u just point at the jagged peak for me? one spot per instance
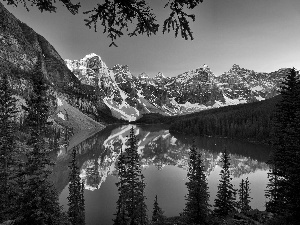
(235, 66)
(91, 55)
(205, 66)
(85, 58)
(160, 75)
(143, 75)
(119, 66)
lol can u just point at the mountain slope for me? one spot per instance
(22, 49)
(130, 97)
(110, 95)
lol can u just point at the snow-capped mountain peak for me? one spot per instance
(129, 97)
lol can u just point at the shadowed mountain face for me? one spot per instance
(129, 97)
(157, 147)
(23, 51)
(88, 88)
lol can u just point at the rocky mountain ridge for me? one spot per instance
(129, 96)
(87, 88)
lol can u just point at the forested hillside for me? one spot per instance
(252, 121)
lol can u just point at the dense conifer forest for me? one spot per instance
(251, 121)
(254, 121)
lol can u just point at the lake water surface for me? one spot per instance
(164, 159)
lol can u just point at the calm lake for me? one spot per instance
(164, 159)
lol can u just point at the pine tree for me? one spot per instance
(82, 204)
(225, 201)
(158, 217)
(284, 182)
(121, 217)
(39, 200)
(131, 207)
(197, 208)
(143, 218)
(76, 190)
(244, 196)
(8, 153)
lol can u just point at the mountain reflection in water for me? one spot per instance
(164, 159)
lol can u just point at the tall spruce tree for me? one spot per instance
(143, 218)
(8, 152)
(76, 197)
(82, 203)
(284, 182)
(121, 217)
(39, 200)
(244, 196)
(158, 217)
(131, 207)
(197, 208)
(225, 201)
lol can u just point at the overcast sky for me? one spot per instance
(263, 35)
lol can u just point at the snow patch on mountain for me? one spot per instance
(259, 98)
(229, 101)
(59, 102)
(129, 97)
(257, 88)
(123, 111)
(73, 118)
(61, 115)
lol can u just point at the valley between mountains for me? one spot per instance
(85, 94)
(142, 135)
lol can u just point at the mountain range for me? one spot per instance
(129, 96)
(86, 94)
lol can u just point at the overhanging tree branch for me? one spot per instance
(131, 17)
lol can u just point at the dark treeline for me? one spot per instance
(252, 121)
(284, 180)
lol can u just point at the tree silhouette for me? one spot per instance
(244, 196)
(157, 214)
(116, 16)
(225, 201)
(121, 217)
(76, 197)
(284, 182)
(196, 209)
(131, 207)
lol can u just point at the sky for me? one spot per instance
(262, 35)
